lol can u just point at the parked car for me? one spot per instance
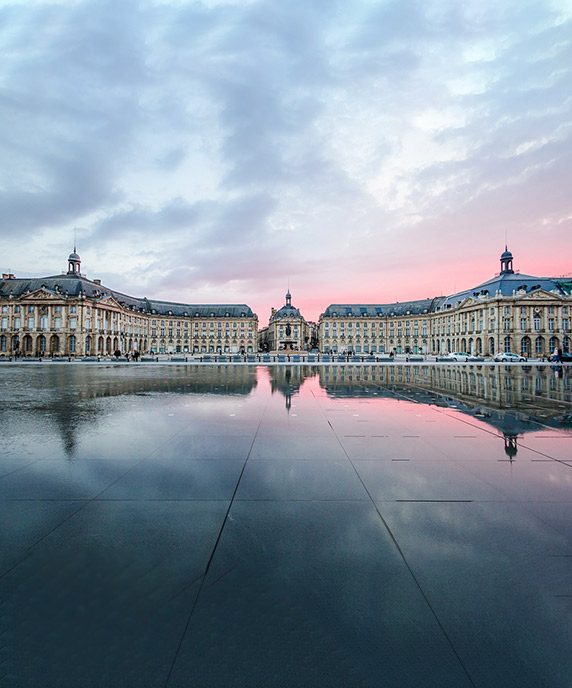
(458, 356)
(509, 358)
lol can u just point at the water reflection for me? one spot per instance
(286, 525)
(512, 400)
(67, 397)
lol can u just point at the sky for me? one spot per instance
(223, 151)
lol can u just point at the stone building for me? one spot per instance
(510, 312)
(288, 330)
(70, 315)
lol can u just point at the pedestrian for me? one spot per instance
(117, 354)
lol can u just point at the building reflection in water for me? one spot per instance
(67, 397)
(513, 400)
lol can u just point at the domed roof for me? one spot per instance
(287, 312)
(506, 254)
(74, 256)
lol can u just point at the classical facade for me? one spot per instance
(288, 330)
(510, 312)
(70, 315)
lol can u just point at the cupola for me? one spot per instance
(506, 262)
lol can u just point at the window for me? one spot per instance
(73, 309)
(536, 323)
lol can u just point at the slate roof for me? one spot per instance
(507, 284)
(73, 285)
(376, 310)
(287, 312)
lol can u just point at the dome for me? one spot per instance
(287, 312)
(506, 255)
(74, 257)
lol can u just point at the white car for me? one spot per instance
(458, 356)
(509, 358)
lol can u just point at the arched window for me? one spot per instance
(3, 343)
(552, 344)
(41, 344)
(492, 346)
(539, 346)
(71, 343)
(566, 344)
(507, 345)
(525, 346)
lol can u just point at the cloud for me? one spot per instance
(212, 146)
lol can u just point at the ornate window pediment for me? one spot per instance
(42, 293)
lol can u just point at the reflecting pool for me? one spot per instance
(286, 526)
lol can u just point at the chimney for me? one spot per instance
(97, 281)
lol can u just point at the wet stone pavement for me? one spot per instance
(285, 526)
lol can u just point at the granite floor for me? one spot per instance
(245, 527)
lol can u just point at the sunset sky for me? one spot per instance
(219, 151)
